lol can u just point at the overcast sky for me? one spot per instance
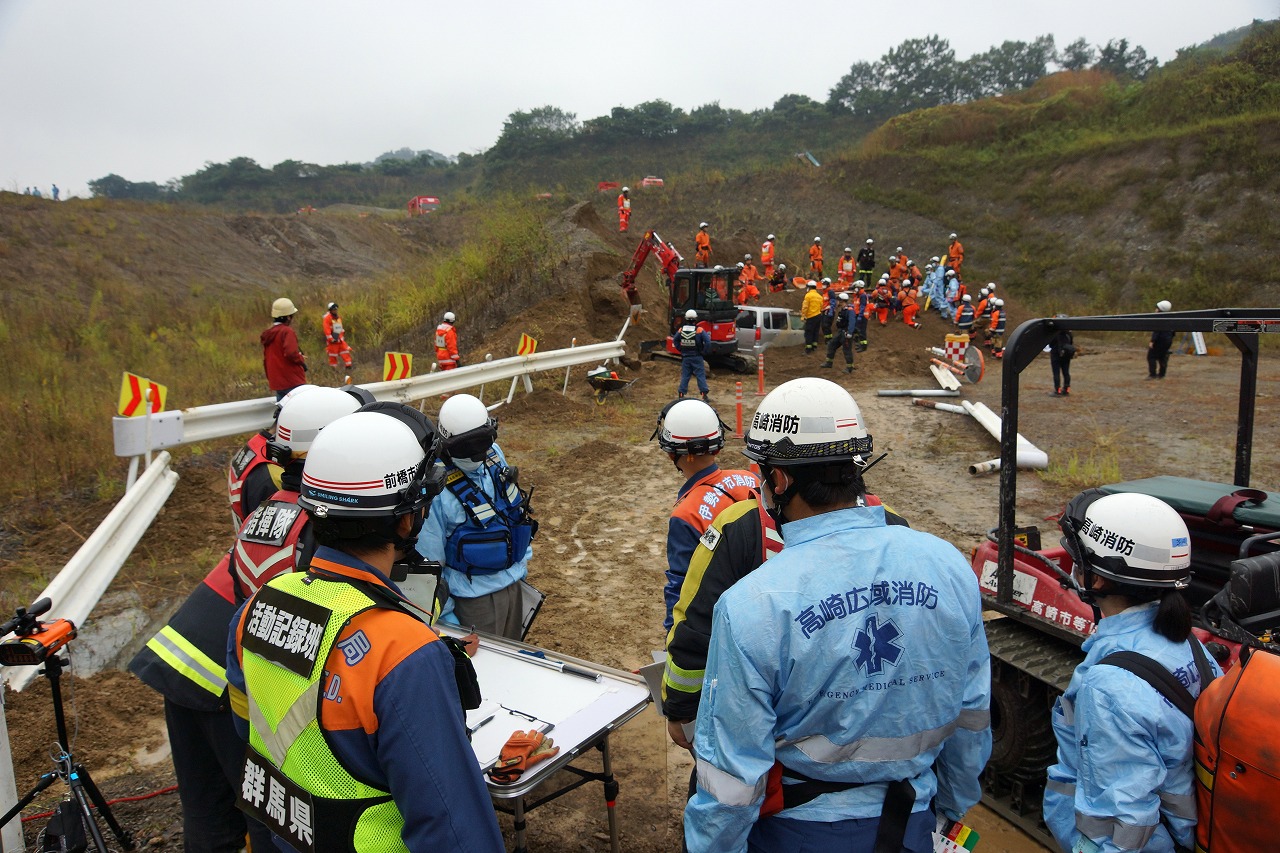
(154, 89)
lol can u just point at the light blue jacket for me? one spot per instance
(1124, 752)
(855, 655)
(446, 515)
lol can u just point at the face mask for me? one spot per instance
(468, 466)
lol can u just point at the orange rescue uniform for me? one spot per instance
(955, 256)
(703, 242)
(624, 211)
(845, 269)
(766, 257)
(335, 340)
(446, 346)
(815, 259)
(910, 305)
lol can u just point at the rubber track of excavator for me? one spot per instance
(1050, 661)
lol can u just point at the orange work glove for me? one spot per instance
(521, 751)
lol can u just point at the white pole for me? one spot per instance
(11, 833)
(147, 398)
(564, 392)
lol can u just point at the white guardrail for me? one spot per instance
(76, 589)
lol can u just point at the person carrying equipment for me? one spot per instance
(848, 677)
(335, 338)
(480, 527)
(811, 313)
(692, 436)
(843, 336)
(624, 209)
(1123, 779)
(447, 343)
(815, 258)
(778, 281)
(363, 714)
(702, 242)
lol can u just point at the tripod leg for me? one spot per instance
(77, 791)
(125, 839)
(45, 781)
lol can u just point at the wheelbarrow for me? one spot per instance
(606, 383)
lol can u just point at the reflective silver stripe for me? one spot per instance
(1066, 789)
(691, 684)
(726, 789)
(974, 721)
(819, 748)
(484, 511)
(297, 718)
(1126, 836)
(1179, 805)
(254, 578)
(206, 668)
(1068, 711)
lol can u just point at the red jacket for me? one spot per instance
(281, 358)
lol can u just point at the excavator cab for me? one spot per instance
(710, 293)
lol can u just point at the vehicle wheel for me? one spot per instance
(600, 395)
(1022, 740)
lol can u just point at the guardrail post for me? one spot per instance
(564, 392)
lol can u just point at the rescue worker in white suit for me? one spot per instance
(848, 680)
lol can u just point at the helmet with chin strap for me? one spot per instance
(689, 427)
(1133, 540)
(466, 430)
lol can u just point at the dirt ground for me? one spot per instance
(603, 494)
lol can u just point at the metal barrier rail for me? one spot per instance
(138, 436)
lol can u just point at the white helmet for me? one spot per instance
(817, 239)
(746, 257)
(810, 283)
(910, 262)
(691, 314)
(884, 276)
(951, 273)
(466, 430)
(626, 189)
(806, 422)
(703, 225)
(449, 317)
(367, 465)
(935, 259)
(293, 392)
(782, 266)
(689, 426)
(991, 285)
(771, 237)
(331, 306)
(283, 307)
(870, 241)
(898, 251)
(302, 419)
(999, 303)
(967, 298)
(847, 250)
(842, 296)
(984, 292)
(953, 236)
(1164, 305)
(741, 265)
(826, 280)
(1129, 538)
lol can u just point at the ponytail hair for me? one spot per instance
(1173, 618)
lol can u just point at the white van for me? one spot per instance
(777, 327)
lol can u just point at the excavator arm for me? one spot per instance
(668, 258)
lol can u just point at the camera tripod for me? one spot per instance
(83, 789)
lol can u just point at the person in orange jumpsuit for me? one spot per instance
(913, 273)
(882, 298)
(955, 254)
(897, 270)
(745, 288)
(335, 338)
(910, 298)
(447, 343)
(624, 209)
(845, 269)
(778, 281)
(815, 258)
(766, 255)
(702, 240)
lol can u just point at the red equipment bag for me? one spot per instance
(1237, 757)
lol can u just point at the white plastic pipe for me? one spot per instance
(918, 392)
(942, 407)
(1028, 455)
(1029, 459)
